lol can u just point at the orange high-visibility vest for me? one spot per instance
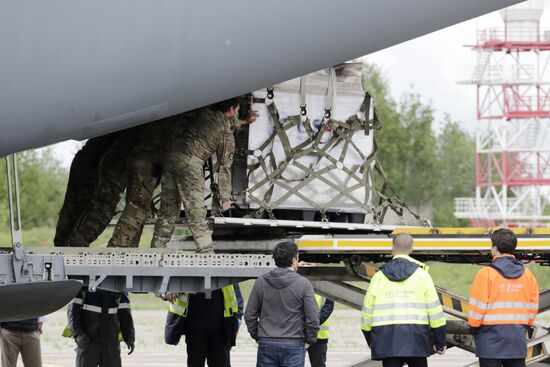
(496, 300)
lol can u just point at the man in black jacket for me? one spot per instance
(210, 324)
(282, 314)
(98, 321)
(21, 337)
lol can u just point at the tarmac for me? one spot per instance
(346, 344)
(454, 358)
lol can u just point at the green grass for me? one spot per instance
(459, 277)
(43, 236)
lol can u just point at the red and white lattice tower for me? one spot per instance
(512, 78)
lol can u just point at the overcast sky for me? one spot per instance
(430, 64)
(427, 65)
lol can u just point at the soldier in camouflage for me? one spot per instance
(211, 132)
(145, 166)
(81, 185)
(112, 181)
(170, 202)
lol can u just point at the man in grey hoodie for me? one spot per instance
(282, 314)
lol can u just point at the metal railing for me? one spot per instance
(472, 207)
(496, 74)
(511, 34)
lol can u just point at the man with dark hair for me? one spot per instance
(504, 300)
(504, 240)
(401, 311)
(282, 314)
(210, 132)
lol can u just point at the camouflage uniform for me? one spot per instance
(211, 132)
(112, 180)
(81, 185)
(144, 172)
(170, 203)
(169, 211)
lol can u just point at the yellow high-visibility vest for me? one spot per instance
(230, 304)
(67, 333)
(324, 327)
(411, 301)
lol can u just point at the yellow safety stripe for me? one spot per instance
(316, 243)
(535, 349)
(452, 302)
(373, 244)
(467, 231)
(431, 243)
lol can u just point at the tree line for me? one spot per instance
(42, 183)
(424, 168)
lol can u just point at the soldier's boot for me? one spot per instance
(160, 240)
(204, 242)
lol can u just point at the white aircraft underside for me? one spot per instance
(77, 69)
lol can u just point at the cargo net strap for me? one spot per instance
(359, 176)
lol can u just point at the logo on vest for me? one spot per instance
(399, 294)
(510, 288)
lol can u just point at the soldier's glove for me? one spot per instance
(131, 347)
(82, 341)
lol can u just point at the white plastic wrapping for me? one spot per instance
(348, 97)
